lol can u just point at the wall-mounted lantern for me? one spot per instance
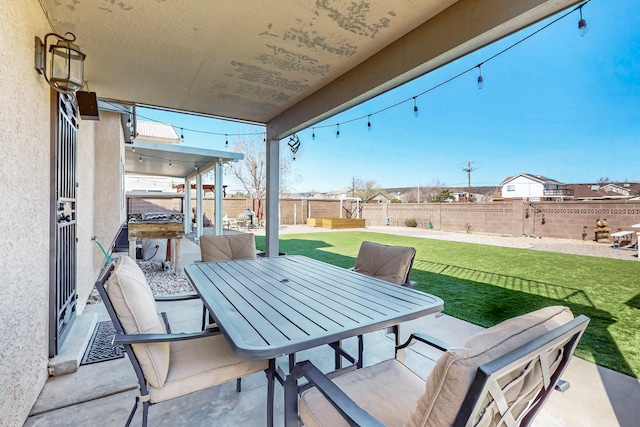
(65, 72)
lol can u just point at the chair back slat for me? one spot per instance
(511, 389)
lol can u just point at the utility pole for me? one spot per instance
(468, 170)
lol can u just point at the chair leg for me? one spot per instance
(145, 413)
(133, 411)
(271, 372)
(239, 385)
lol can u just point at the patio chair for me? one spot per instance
(227, 247)
(167, 365)
(501, 377)
(390, 263)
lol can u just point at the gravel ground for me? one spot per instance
(167, 282)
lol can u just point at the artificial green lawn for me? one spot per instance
(487, 284)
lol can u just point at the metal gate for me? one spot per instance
(63, 255)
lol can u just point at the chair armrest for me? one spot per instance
(156, 338)
(426, 339)
(178, 297)
(348, 409)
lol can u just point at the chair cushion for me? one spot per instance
(388, 391)
(138, 312)
(228, 247)
(454, 372)
(390, 263)
(200, 363)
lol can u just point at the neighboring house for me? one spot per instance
(155, 132)
(534, 188)
(378, 198)
(604, 191)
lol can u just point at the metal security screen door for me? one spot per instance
(62, 275)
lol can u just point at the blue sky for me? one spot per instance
(557, 104)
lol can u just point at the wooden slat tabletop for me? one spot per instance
(268, 307)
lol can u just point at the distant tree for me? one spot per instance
(604, 180)
(364, 189)
(431, 191)
(251, 172)
(443, 196)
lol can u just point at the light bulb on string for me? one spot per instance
(338, 131)
(170, 163)
(369, 123)
(181, 135)
(133, 149)
(196, 166)
(140, 159)
(226, 140)
(415, 107)
(582, 24)
(313, 134)
(480, 78)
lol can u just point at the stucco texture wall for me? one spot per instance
(85, 212)
(107, 190)
(24, 202)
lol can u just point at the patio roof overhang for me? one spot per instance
(172, 160)
(287, 66)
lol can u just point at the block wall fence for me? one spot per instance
(515, 218)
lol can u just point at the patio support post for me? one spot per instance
(218, 185)
(188, 228)
(199, 204)
(272, 245)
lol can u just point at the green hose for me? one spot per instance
(106, 255)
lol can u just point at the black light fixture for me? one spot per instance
(582, 23)
(65, 73)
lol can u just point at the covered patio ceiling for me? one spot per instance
(176, 161)
(287, 64)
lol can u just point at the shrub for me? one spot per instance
(410, 222)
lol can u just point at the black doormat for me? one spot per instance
(100, 346)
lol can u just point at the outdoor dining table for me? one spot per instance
(276, 306)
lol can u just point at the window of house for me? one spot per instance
(511, 188)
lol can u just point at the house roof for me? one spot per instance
(537, 178)
(287, 64)
(156, 132)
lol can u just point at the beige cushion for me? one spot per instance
(138, 312)
(454, 372)
(228, 247)
(388, 391)
(397, 397)
(390, 263)
(200, 363)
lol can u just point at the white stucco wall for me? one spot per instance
(24, 203)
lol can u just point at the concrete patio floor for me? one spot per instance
(102, 394)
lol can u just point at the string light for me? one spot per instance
(582, 23)
(415, 107)
(196, 167)
(140, 159)
(181, 135)
(170, 163)
(226, 140)
(133, 149)
(313, 135)
(338, 131)
(480, 81)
